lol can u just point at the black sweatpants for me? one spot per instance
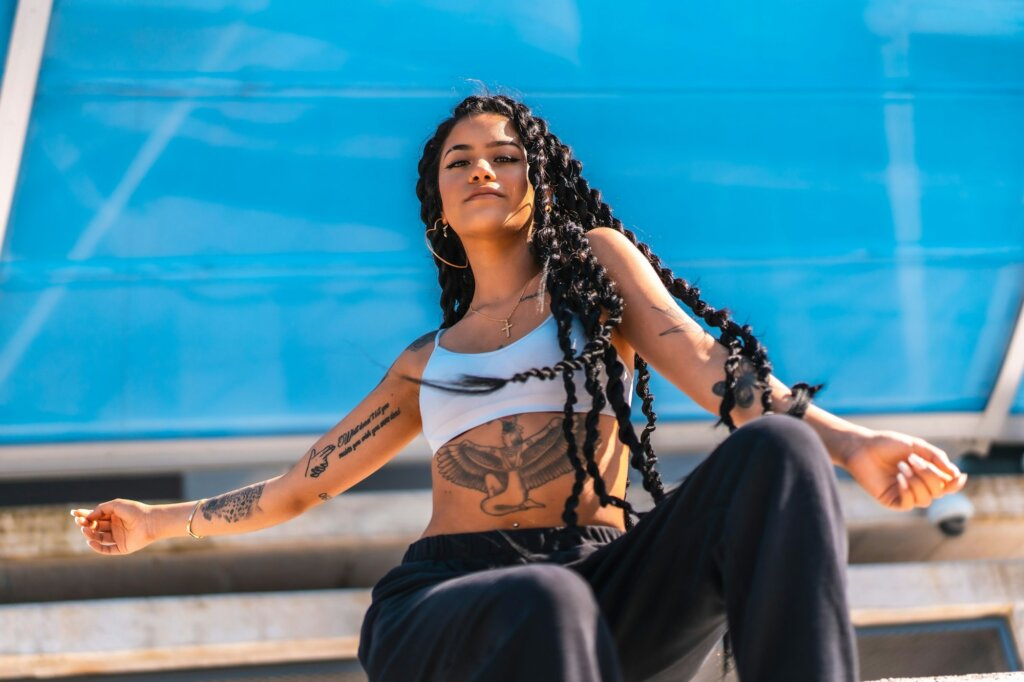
(754, 538)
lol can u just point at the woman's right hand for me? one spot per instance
(115, 527)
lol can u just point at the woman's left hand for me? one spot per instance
(901, 471)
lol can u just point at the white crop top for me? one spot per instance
(445, 415)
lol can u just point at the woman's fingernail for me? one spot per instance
(905, 469)
(917, 462)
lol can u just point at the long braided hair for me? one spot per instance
(580, 288)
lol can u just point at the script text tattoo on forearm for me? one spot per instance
(350, 441)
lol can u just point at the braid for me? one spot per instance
(587, 268)
(563, 317)
(601, 215)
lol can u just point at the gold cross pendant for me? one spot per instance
(508, 325)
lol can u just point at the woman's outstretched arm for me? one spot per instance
(898, 470)
(368, 437)
(675, 345)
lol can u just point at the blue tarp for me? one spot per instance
(215, 229)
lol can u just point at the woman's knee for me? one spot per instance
(545, 589)
(781, 438)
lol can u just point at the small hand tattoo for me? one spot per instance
(322, 460)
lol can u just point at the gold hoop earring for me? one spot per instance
(426, 238)
(444, 230)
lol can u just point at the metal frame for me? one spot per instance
(17, 92)
(1000, 401)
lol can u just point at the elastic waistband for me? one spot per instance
(491, 543)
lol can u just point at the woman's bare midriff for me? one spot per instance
(513, 472)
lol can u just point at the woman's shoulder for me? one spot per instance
(413, 359)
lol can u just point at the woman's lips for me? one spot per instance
(483, 194)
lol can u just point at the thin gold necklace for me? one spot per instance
(505, 320)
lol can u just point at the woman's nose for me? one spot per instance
(482, 171)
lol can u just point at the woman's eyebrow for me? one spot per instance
(496, 143)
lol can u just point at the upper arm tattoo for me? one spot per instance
(674, 313)
(422, 341)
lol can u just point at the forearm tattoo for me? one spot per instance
(234, 506)
(507, 473)
(321, 458)
(746, 378)
(318, 460)
(348, 440)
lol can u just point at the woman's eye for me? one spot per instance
(511, 159)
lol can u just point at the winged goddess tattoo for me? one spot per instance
(508, 472)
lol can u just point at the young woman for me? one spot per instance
(532, 566)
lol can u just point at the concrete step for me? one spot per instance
(166, 633)
(107, 636)
(353, 540)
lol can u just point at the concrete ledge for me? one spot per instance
(996, 531)
(166, 633)
(163, 633)
(986, 677)
(884, 594)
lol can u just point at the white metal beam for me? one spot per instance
(1000, 402)
(949, 430)
(17, 92)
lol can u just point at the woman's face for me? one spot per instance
(484, 152)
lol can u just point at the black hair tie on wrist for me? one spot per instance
(803, 393)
